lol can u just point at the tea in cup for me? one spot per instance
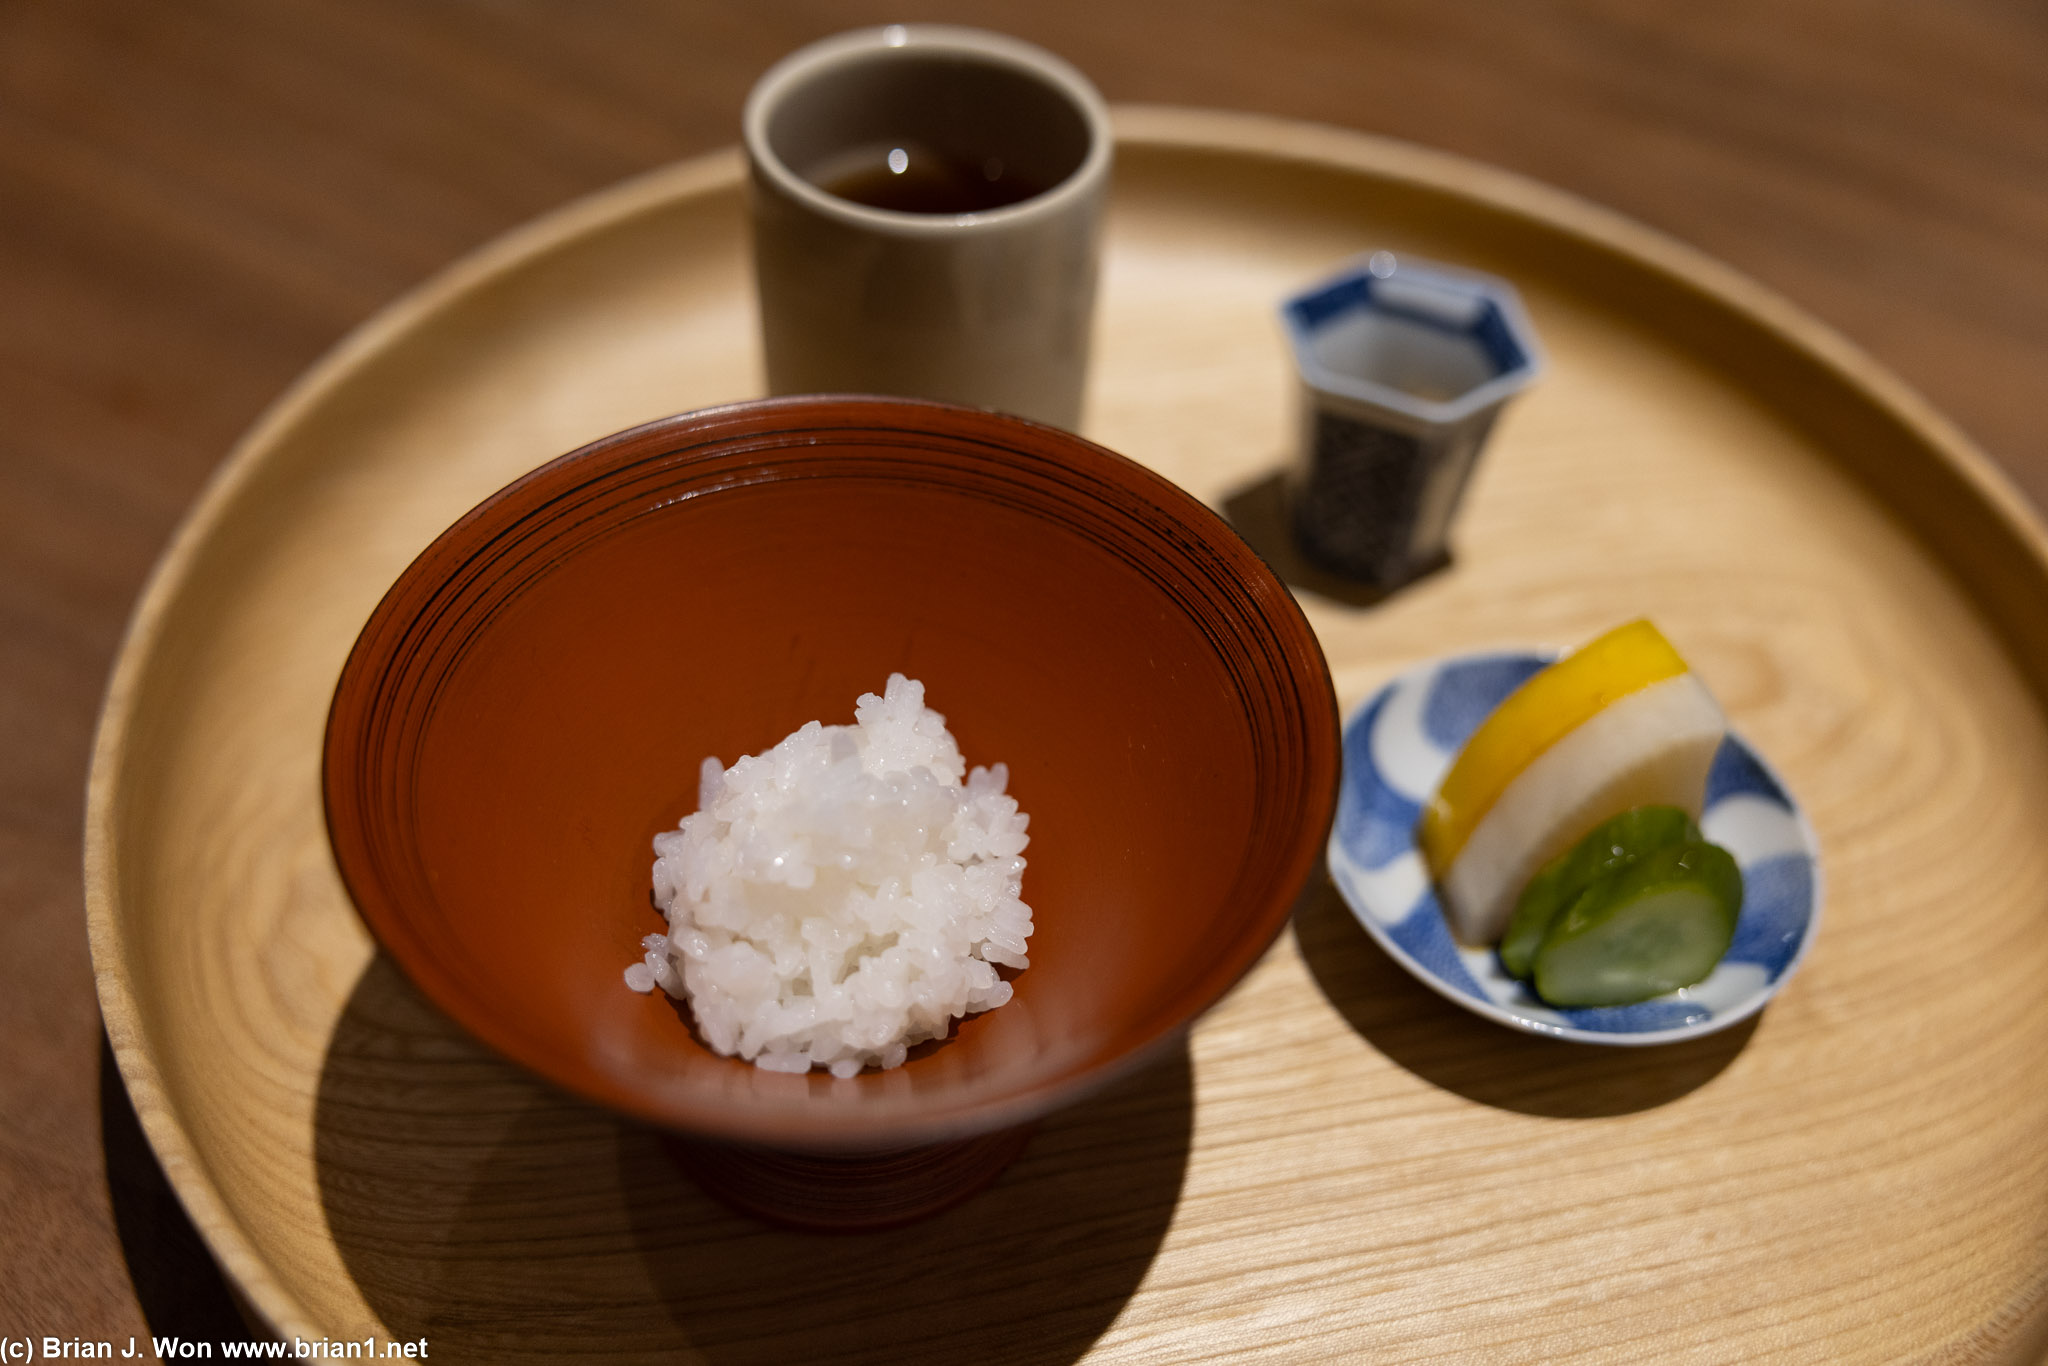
(927, 206)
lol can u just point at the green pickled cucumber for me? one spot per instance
(1659, 924)
(1610, 846)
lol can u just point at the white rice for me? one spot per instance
(844, 895)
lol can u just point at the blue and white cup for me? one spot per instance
(1404, 366)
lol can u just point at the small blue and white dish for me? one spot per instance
(1397, 748)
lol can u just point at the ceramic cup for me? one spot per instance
(926, 207)
(1404, 366)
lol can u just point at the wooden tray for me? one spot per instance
(1340, 1165)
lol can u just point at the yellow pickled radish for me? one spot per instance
(1620, 722)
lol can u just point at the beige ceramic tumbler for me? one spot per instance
(927, 203)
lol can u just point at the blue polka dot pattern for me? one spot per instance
(1737, 772)
(1466, 694)
(1777, 900)
(1372, 818)
(1421, 936)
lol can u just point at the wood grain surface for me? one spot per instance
(195, 201)
(1345, 1162)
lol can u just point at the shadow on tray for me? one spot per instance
(1458, 1051)
(500, 1220)
(181, 1292)
(1259, 513)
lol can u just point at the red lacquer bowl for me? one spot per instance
(530, 702)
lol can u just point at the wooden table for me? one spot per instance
(195, 201)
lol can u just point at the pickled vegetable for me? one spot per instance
(1659, 924)
(1612, 845)
(1619, 722)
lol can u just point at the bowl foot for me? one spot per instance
(847, 1192)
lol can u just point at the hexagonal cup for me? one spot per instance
(1404, 366)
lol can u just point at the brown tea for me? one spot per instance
(909, 177)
